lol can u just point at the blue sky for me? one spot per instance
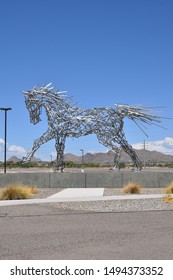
(101, 51)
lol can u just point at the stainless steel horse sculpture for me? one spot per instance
(67, 120)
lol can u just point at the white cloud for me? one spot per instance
(164, 146)
(15, 149)
(12, 150)
(1, 141)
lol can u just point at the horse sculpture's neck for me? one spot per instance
(56, 110)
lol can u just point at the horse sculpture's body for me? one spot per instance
(66, 120)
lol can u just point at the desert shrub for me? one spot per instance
(168, 199)
(33, 190)
(169, 189)
(132, 188)
(17, 191)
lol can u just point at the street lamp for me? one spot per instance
(50, 158)
(82, 156)
(145, 160)
(5, 137)
(82, 166)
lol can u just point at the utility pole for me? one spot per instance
(144, 155)
(5, 137)
(82, 158)
(82, 155)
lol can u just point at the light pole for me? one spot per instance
(145, 161)
(5, 137)
(82, 156)
(50, 160)
(82, 160)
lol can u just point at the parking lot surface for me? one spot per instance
(46, 232)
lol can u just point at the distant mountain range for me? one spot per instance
(150, 156)
(16, 159)
(106, 158)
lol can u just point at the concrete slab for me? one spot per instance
(78, 192)
(75, 199)
(165, 179)
(6, 179)
(103, 180)
(40, 180)
(146, 179)
(67, 180)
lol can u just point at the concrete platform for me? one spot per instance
(78, 199)
(109, 179)
(79, 192)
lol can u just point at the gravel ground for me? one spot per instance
(115, 205)
(118, 191)
(46, 192)
(110, 206)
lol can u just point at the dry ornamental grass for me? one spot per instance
(168, 199)
(169, 189)
(132, 188)
(17, 191)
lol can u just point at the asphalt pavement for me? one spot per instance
(36, 229)
(41, 231)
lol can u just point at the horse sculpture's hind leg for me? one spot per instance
(129, 150)
(60, 146)
(108, 141)
(48, 135)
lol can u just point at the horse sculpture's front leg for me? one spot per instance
(60, 146)
(36, 145)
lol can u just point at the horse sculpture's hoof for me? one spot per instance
(25, 160)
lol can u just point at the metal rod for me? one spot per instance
(5, 138)
(5, 143)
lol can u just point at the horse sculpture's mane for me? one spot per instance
(66, 120)
(50, 94)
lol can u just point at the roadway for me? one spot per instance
(41, 231)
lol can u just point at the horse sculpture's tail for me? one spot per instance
(138, 114)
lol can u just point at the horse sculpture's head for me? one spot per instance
(33, 105)
(47, 97)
